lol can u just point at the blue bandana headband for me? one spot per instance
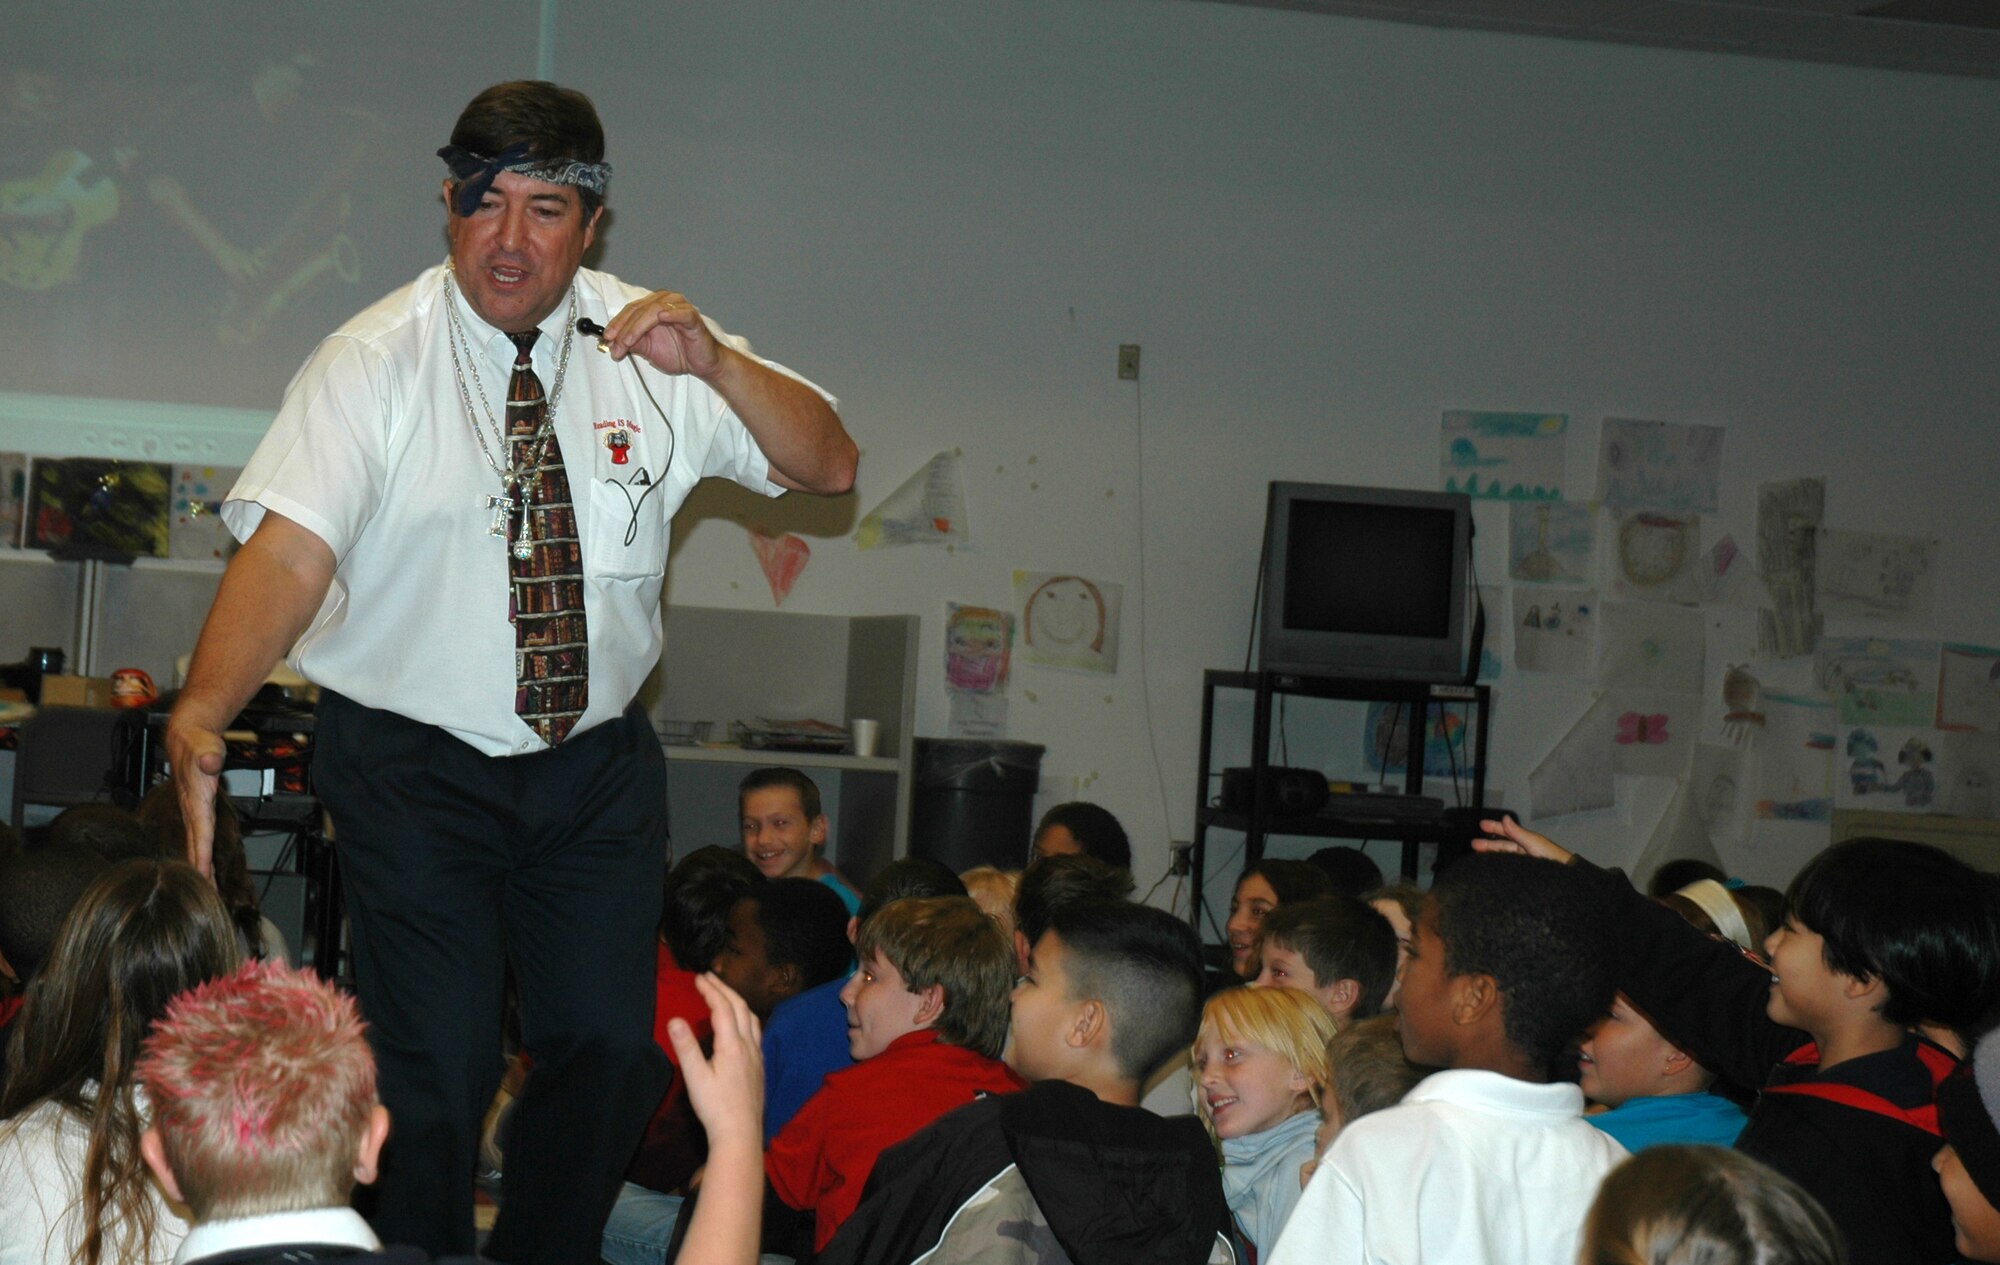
(476, 173)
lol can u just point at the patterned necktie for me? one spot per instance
(551, 650)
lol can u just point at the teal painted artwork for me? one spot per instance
(1449, 751)
(1504, 456)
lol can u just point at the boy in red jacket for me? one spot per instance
(927, 1017)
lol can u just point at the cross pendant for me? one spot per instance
(503, 509)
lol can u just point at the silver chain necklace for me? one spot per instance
(516, 492)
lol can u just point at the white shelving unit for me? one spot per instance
(728, 665)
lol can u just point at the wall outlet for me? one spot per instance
(1128, 362)
(1182, 858)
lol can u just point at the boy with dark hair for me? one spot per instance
(38, 888)
(785, 830)
(698, 895)
(696, 899)
(1052, 882)
(1070, 1166)
(1080, 827)
(1352, 871)
(113, 833)
(787, 937)
(1879, 935)
(806, 1038)
(927, 1020)
(1337, 949)
(1490, 1159)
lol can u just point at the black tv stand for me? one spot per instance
(1407, 817)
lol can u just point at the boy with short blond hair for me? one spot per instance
(927, 1020)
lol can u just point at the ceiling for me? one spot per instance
(1944, 37)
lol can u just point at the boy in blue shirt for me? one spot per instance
(1655, 1090)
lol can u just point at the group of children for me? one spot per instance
(1530, 1062)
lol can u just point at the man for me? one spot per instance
(459, 529)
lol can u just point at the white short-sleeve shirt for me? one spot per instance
(1471, 1166)
(372, 452)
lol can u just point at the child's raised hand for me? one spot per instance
(1504, 834)
(727, 1090)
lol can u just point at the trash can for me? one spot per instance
(973, 802)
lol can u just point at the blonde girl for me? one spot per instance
(1260, 1067)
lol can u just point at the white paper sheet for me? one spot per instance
(1555, 630)
(1788, 516)
(1877, 681)
(1969, 688)
(1969, 781)
(1646, 645)
(1504, 456)
(1659, 465)
(1794, 756)
(1679, 836)
(1873, 576)
(1068, 621)
(1652, 731)
(1653, 555)
(1551, 542)
(1888, 769)
(1718, 793)
(1575, 776)
(928, 509)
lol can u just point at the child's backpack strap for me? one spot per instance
(1937, 1061)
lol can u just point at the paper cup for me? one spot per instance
(865, 733)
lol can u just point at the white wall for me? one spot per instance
(1324, 232)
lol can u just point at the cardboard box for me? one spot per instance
(76, 691)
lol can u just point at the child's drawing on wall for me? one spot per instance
(978, 644)
(1864, 772)
(1068, 621)
(1917, 785)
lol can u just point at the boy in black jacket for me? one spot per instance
(1879, 936)
(1072, 1162)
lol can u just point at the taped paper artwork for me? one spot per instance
(1659, 465)
(1504, 456)
(1551, 542)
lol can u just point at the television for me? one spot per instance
(1365, 582)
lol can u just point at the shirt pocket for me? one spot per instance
(625, 533)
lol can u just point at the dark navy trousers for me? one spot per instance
(455, 865)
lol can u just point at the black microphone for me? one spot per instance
(584, 325)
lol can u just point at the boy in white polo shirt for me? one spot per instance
(1489, 1161)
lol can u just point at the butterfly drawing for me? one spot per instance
(1642, 729)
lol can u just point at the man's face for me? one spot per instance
(778, 837)
(1423, 1016)
(1042, 1013)
(744, 962)
(516, 254)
